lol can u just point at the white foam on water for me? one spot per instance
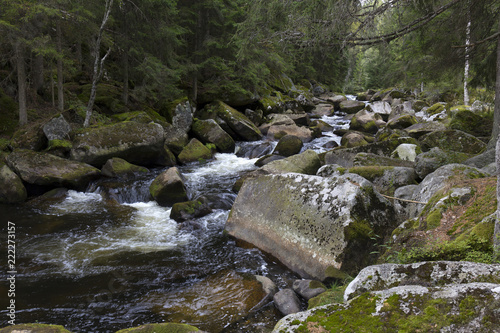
(149, 230)
(77, 202)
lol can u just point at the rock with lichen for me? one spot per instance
(312, 223)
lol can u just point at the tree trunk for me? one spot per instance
(60, 78)
(496, 138)
(38, 79)
(98, 64)
(467, 58)
(125, 78)
(21, 82)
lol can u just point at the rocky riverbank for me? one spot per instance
(410, 182)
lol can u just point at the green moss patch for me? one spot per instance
(34, 328)
(161, 328)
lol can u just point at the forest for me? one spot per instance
(152, 52)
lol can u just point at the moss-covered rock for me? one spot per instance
(168, 188)
(34, 328)
(420, 129)
(307, 163)
(12, 189)
(351, 107)
(49, 170)
(402, 122)
(30, 136)
(386, 179)
(161, 328)
(436, 108)
(116, 167)
(366, 121)
(210, 132)
(462, 308)
(183, 211)
(194, 151)
(353, 139)
(237, 121)
(181, 119)
(453, 140)
(135, 142)
(428, 162)
(288, 145)
(407, 151)
(368, 159)
(478, 125)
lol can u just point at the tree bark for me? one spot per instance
(21, 82)
(125, 92)
(38, 69)
(60, 75)
(467, 57)
(496, 138)
(98, 64)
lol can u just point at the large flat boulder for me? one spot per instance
(48, 170)
(313, 225)
(135, 142)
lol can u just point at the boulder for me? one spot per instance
(168, 188)
(323, 109)
(57, 129)
(163, 327)
(255, 116)
(30, 137)
(308, 288)
(402, 121)
(453, 140)
(237, 121)
(436, 181)
(135, 142)
(384, 148)
(176, 135)
(183, 211)
(208, 131)
(366, 121)
(430, 161)
(287, 301)
(268, 159)
(336, 100)
(420, 129)
(351, 107)
(468, 307)
(382, 108)
(387, 179)
(406, 151)
(368, 159)
(12, 189)
(34, 328)
(313, 225)
(307, 162)
(482, 160)
(471, 123)
(212, 303)
(353, 139)
(427, 274)
(288, 145)
(276, 132)
(116, 167)
(194, 151)
(49, 170)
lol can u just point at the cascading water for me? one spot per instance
(105, 259)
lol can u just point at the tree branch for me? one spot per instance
(487, 39)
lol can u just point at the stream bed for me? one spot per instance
(110, 258)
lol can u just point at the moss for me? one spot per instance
(56, 144)
(370, 172)
(435, 109)
(433, 220)
(358, 230)
(194, 151)
(35, 328)
(161, 328)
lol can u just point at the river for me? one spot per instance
(91, 260)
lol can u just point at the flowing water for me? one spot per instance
(96, 261)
